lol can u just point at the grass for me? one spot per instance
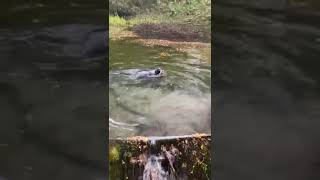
(119, 27)
(117, 21)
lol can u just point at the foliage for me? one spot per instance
(196, 12)
(129, 13)
(190, 10)
(127, 8)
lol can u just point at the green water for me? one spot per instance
(176, 104)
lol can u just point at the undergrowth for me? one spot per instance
(134, 12)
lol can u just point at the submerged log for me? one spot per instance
(169, 157)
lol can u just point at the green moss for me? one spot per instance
(114, 154)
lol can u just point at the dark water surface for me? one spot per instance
(266, 91)
(53, 87)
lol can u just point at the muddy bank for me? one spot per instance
(192, 41)
(172, 32)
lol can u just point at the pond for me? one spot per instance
(177, 104)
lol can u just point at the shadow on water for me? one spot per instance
(53, 90)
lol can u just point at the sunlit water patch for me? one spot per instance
(176, 104)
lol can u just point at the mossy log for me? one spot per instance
(179, 156)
